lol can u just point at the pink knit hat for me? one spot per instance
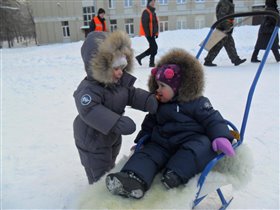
(169, 74)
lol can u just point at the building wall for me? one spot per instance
(193, 14)
(48, 17)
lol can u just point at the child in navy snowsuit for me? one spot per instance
(185, 133)
(101, 99)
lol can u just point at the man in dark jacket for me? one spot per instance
(224, 7)
(185, 133)
(101, 99)
(265, 32)
(149, 29)
(98, 23)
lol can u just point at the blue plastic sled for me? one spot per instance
(211, 164)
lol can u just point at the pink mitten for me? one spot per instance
(223, 145)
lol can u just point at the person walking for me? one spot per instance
(223, 8)
(265, 32)
(149, 29)
(98, 23)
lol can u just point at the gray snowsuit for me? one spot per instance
(101, 102)
(182, 130)
(223, 8)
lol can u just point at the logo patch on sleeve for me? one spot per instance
(207, 106)
(85, 100)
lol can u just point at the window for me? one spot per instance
(163, 2)
(181, 1)
(111, 4)
(199, 22)
(129, 26)
(163, 26)
(143, 3)
(113, 25)
(65, 28)
(181, 24)
(127, 3)
(88, 13)
(199, 1)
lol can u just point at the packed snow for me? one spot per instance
(40, 165)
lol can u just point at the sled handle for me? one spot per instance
(275, 15)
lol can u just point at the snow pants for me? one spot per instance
(99, 161)
(151, 51)
(186, 161)
(228, 43)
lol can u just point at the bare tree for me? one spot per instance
(16, 21)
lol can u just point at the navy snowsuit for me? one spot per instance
(182, 131)
(181, 135)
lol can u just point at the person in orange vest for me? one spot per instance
(98, 23)
(149, 29)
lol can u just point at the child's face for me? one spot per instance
(164, 92)
(117, 73)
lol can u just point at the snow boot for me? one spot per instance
(125, 184)
(209, 63)
(138, 58)
(239, 61)
(255, 60)
(170, 179)
(152, 61)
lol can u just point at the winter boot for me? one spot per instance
(254, 58)
(276, 55)
(239, 61)
(170, 179)
(209, 63)
(152, 61)
(140, 57)
(126, 184)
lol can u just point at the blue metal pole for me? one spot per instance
(253, 86)
(204, 43)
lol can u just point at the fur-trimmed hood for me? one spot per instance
(192, 84)
(99, 50)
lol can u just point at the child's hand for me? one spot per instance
(152, 104)
(124, 126)
(223, 145)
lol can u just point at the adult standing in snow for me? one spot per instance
(223, 8)
(101, 99)
(149, 29)
(185, 133)
(98, 23)
(265, 32)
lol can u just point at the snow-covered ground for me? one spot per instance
(40, 166)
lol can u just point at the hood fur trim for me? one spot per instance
(115, 44)
(192, 84)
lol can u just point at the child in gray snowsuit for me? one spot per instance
(185, 132)
(101, 99)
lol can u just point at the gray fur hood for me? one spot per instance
(192, 85)
(98, 51)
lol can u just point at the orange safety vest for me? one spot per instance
(141, 31)
(98, 24)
